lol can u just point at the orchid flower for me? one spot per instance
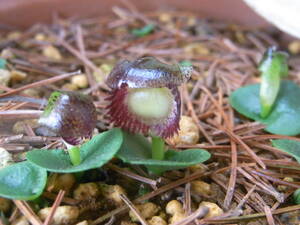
(144, 98)
(72, 116)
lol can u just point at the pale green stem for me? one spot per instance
(158, 148)
(74, 153)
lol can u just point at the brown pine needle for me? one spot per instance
(219, 107)
(56, 203)
(187, 198)
(245, 198)
(28, 212)
(275, 180)
(132, 175)
(269, 189)
(67, 200)
(269, 215)
(193, 114)
(251, 216)
(232, 179)
(23, 114)
(40, 83)
(238, 140)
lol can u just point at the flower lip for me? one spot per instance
(70, 115)
(128, 80)
(150, 104)
(147, 72)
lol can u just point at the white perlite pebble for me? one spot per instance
(5, 158)
(80, 81)
(188, 132)
(83, 223)
(21, 221)
(5, 76)
(52, 52)
(62, 215)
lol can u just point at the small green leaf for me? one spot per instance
(51, 102)
(186, 63)
(3, 63)
(74, 153)
(285, 116)
(268, 93)
(137, 150)
(274, 62)
(296, 196)
(273, 67)
(291, 147)
(95, 153)
(23, 181)
(141, 32)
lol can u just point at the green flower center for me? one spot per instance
(150, 103)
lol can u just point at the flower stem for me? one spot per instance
(74, 153)
(158, 148)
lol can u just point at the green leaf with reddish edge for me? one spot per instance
(284, 118)
(94, 153)
(136, 149)
(23, 181)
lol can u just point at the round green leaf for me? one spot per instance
(95, 153)
(23, 181)
(136, 149)
(285, 116)
(291, 147)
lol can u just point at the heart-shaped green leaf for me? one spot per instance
(285, 116)
(291, 147)
(136, 149)
(23, 181)
(96, 152)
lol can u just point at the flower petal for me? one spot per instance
(147, 72)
